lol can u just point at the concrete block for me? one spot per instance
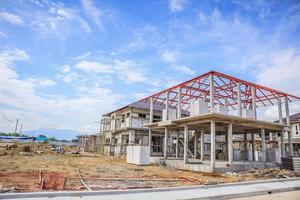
(247, 113)
(172, 114)
(221, 109)
(139, 155)
(198, 107)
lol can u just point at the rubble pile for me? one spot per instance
(271, 173)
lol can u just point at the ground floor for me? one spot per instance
(215, 141)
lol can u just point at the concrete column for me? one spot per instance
(230, 145)
(195, 145)
(185, 146)
(226, 144)
(263, 144)
(288, 122)
(282, 144)
(239, 99)
(166, 143)
(245, 147)
(202, 145)
(150, 138)
(291, 150)
(211, 91)
(287, 111)
(253, 104)
(179, 104)
(279, 110)
(253, 146)
(167, 105)
(213, 144)
(151, 110)
(177, 144)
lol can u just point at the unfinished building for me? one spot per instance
(209, 123)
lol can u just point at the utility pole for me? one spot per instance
(16, 125)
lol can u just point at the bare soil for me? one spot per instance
(40, 169)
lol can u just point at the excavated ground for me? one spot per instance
(34, 167)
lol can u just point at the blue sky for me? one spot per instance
(65, 63)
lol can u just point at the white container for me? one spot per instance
(138, 155)
(198, 107)
(247, 113)
(172, 114)
(221, 109)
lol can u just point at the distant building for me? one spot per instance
(295, 133)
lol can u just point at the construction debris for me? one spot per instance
(43, 169)
(264, 173)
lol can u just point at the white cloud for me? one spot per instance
(42, 82)
(65, 69)
(37, 111)
(11, 18)
(70, 77)
(83, 56)
(169, 56)
(177, 5)
(281, 71)
(47, 82)
(2, 34)
(58, 20)
(129, 71)
(92, 11)
(90, 66)
(146, 36)
(184, 69)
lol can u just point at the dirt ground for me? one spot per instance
(40, 169)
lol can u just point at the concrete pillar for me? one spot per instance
(279, 110)
(202, 145)
(239, 99)
(288, 122)
(291, 150)
(230, 145)
(166, 143)
(151, 110)
(213, 144)
(282, 144)
(245, 147)
(177, 144)
(212, 91)
(287, 111)
(179, 104)
(226, 144)
(167, 105)
(150, 138)
(185, 146)
(195, 145)
(253, 146)
(253, 104)
(263, 144)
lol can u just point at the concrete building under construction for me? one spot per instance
(208, 123)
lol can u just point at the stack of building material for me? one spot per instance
(172, 114)
(198, 107)
(138, 155)
(221, 109)
(247, 113)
